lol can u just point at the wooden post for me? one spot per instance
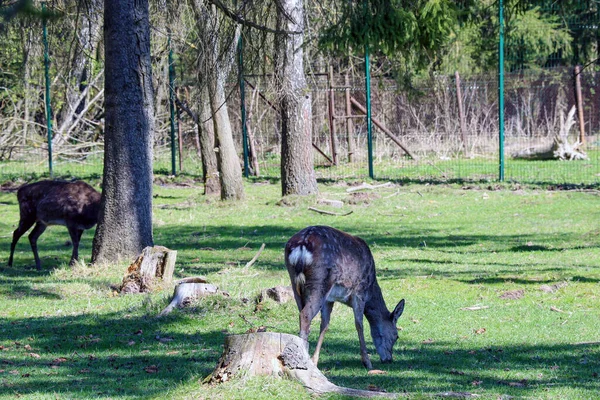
(461, 111)
(179, 134)
(331, 111)
(349, 122)
(385, 130)
(579, 102)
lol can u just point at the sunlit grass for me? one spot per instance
(502, 291)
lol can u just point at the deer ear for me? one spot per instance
(397, 311)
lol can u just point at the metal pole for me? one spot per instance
(243, 104)
(501, 90)
(369, 122)
(172, 108)
(47, 76)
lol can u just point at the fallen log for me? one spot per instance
(559, 149)
(152, 268)
(281, 355)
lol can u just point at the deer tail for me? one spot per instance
(300, 257)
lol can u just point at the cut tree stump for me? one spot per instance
(188, 290)
(153, 267)
(281, 355)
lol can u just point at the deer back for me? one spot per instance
(331, 261)
(61, 203)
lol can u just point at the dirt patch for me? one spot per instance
(361, 198)
(513, 294)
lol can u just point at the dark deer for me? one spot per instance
(72, 204)
(327, 265)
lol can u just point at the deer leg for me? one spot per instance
(24, 225)
(33, 237)
(358, 306)
(75, 238)
(312, 305)
(325, 317)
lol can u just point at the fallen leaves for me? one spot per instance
(480, 331)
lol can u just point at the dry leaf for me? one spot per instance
(170, 353)
(428, 341)
(376, 372)
(152, 369)
(34, 355)
(480, 331)
(27, 347)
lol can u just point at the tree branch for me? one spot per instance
(240, 20)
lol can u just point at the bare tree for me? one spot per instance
(125, 221)
(219, 37)
(78, 76)
(297, 172)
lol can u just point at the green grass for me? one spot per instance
(65, 334)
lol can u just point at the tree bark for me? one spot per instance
(125, 220)
(297, 171)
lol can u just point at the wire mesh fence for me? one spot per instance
(444, 129)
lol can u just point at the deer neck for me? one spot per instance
(375, 309)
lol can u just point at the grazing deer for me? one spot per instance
(327, 265)
(72, 204)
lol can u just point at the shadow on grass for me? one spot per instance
(519, 370)
(114, 355)
(110, 355)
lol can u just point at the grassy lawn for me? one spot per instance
(502, 292)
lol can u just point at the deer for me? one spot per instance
(327, 265)
(73, 204)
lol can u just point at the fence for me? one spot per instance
(445, 128)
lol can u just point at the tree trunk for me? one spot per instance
(230, 171)
(125, 220)
(218, 49)
(210, 170)
(297, 172)
(277, 354)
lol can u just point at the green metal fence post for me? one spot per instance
(369, 122)
(501, 90)
(172, 107)
(48, 104)
(243, 104)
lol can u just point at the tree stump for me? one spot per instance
(189, 289)
(155, 264)
(277, 354)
